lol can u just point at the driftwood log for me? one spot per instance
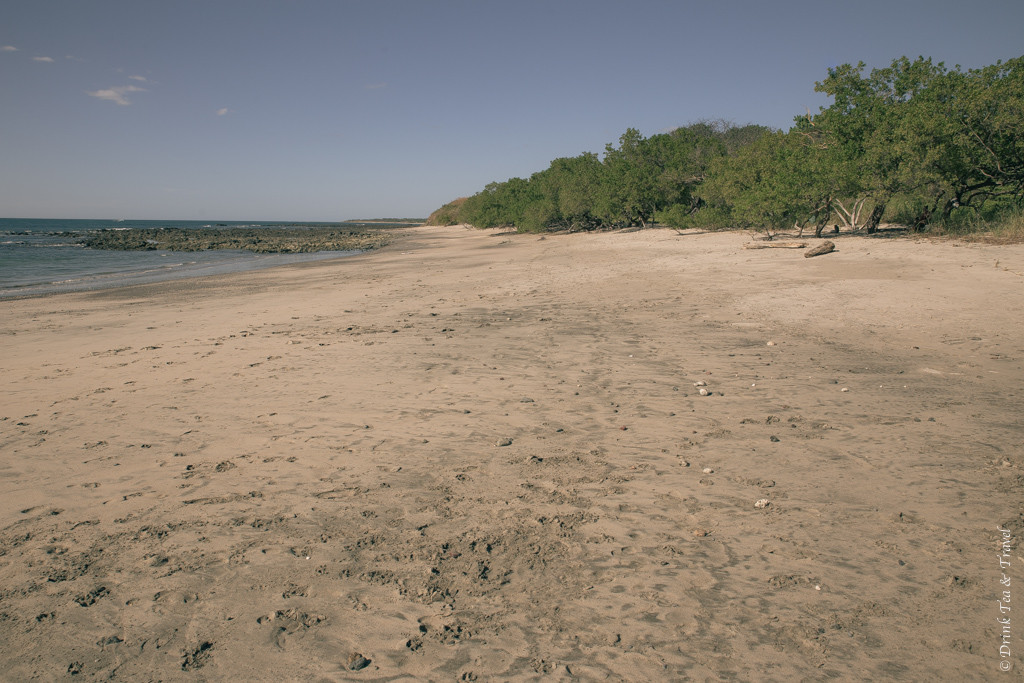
(825, 247)
(775, 245)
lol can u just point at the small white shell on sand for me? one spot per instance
(771, 343)
(708, 470)
(762, 503)
(845, 389)
(703, 391)
(700, 383)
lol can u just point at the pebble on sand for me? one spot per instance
(504, 442)
(357, 662)
(762, 503)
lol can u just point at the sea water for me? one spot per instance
(42, 256)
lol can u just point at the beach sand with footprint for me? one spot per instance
(483, 456)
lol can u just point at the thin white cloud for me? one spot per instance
(116, 93)
(142, 79)
(223, 111)
(8, 48)
(43, 59)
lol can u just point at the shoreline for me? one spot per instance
(156, 276)
(480, 454)
(38, 258)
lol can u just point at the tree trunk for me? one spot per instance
(826, 247)
(875, 218)
(851, 216)
(922, 220)
(821, 216)
(951, 203)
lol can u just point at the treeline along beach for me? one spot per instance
(914, 143)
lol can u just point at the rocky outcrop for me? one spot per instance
(282, 240)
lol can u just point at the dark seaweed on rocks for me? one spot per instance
(260, 240)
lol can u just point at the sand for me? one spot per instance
(484, 456)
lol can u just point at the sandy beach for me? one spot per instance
(482, 456)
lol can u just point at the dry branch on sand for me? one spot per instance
(775, 245)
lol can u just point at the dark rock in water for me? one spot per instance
(267, 240)
(825, 247)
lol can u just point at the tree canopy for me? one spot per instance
(932, 141)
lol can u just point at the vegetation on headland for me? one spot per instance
(286, 240)
(915, 143)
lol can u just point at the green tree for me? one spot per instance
(930, 135)
(692, 155)
(498, 204)
(772, 183)
(877, 124)
(632, 172)
(979, 116)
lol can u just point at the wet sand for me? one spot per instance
(483, 456)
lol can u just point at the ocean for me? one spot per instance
(42, 256)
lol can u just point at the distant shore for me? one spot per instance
(474, 455)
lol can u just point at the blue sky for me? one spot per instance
(327, 110)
